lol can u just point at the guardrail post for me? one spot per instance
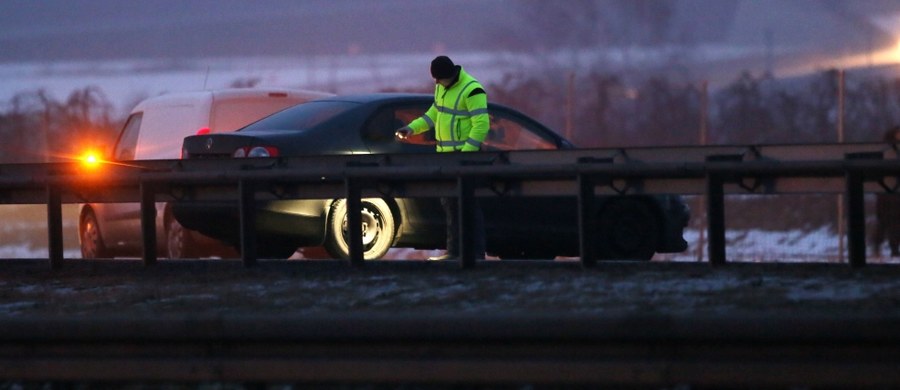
(856, 220)
(586, 231)
(148, 223)
(715, 215)
(466, 221)
(248, 222)
(354, 223)
(54, 226)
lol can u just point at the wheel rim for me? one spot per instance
(629, 236)
(90, 238)
(627, 231)
(372, 223)
(175, 241)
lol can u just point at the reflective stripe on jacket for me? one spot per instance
(458, 116)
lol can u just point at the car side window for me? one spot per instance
(510, 133)
(381, 126)
(128, 138)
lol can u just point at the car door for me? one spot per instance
(378, 130)
(510, 219)
(423, 218)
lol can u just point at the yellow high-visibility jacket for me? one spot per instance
(459, 116)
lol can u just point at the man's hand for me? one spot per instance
(403, 133)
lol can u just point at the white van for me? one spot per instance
(154, 131)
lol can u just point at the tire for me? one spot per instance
(92, 245)
(179, 243)
(379, 229)
(628, 230)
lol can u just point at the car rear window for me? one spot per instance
(302, 117)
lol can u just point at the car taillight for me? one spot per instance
(255, 151)
(203, 131)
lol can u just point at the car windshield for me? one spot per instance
(302, 116)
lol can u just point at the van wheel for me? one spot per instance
(628, 230)
(179, 243)
(92, 246)
(378, 229)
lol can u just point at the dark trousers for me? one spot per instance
(451, 209)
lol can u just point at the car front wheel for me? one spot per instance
(628, 230)
(378, 229)
(92, 246)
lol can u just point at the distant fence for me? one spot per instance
(849, 169)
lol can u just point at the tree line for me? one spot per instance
(39, 128)
(605, 110)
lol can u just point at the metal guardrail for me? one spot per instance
(850, 169)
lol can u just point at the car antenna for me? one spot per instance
(206, 78)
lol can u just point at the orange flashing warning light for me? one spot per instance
(90, 159)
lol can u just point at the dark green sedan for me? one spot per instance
(629, 227)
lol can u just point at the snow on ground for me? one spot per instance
(821, 245)
(27, 251)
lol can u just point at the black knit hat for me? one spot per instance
(442, 67)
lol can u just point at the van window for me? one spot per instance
(165, 126)
(128, 138)
(303, 116)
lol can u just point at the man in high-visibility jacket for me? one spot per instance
(459, 118)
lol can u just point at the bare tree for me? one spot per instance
(40, 128)
(743, 117)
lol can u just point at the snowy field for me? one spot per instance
(127, 81)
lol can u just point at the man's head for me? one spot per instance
(443, 70)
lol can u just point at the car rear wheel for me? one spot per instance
(179, 244)
(628, 230)
(92, 246)
(378, 229)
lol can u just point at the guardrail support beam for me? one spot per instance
(248, 222)
(715, 215)
(856, 220)
(55, 226)
(148, 223)
(354, 222)
(466, 222)
(586, 228)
